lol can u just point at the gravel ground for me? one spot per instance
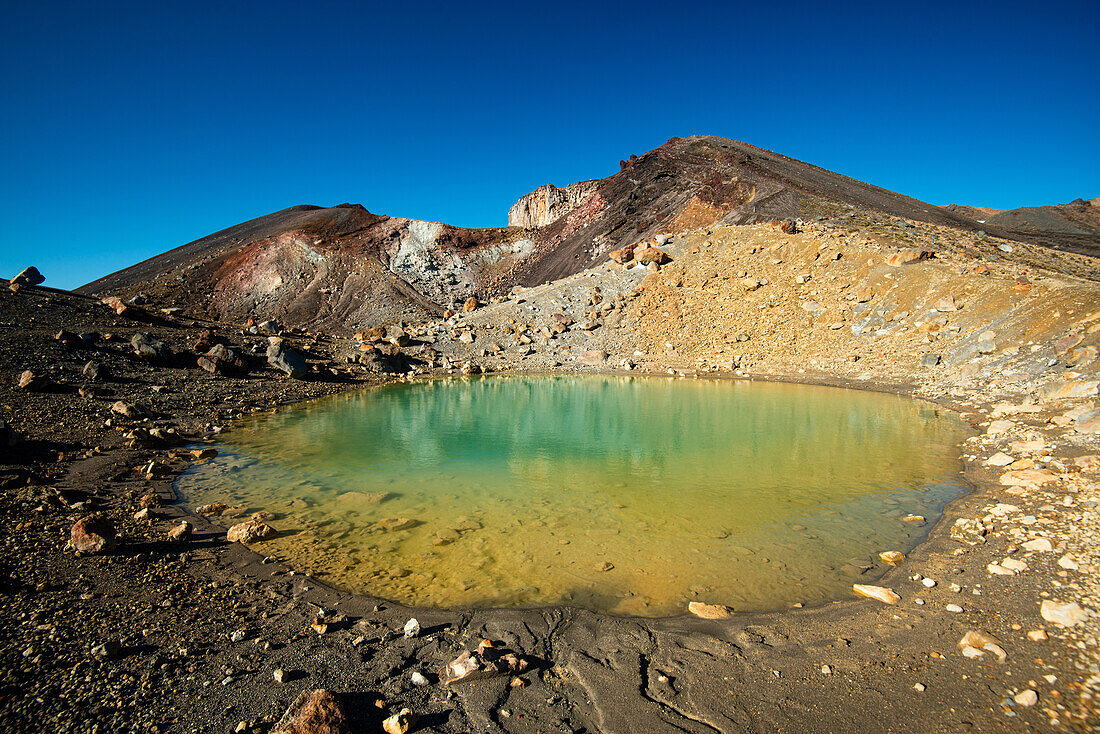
(160, 636)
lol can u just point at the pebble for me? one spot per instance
(418, 679)
(953, 608)
(928, 583)
(1026, 698)
(411, 628)
(919, 687)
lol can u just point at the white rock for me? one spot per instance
(884, 595)
(418, 680)
(1067, 614)
(999, 459)
(954, 608)
(919, 687)
(1041, 545)
(412, 628)
(1068, 563)
(929, 583)
(999, 570)
(279, 675)
(1014, 564)
(976, 644)
(1026, 698)
(826, 670)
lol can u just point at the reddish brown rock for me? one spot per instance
(471, 304)
(651, 255)
(907, 256)
(622, 256)
(223, 360)
(315, 711)
(115, 304)
(181, 532)
(92, 535)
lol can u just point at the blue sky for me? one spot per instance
(131, 128)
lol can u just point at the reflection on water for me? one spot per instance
(629, 495)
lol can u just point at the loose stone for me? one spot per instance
(882, 594)
(709, 611)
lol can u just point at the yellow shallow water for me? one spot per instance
(621, 494)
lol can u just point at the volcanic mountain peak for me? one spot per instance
(343, 268)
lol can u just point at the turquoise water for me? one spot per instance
(621, 494)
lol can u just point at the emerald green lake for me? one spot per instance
(621, 494)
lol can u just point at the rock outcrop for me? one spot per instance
(548, 203)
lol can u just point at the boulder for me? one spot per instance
(623, 256)
(249, 532)
(92, 535)
(471, 304)
(270, 326)
(224, 360)
(649, 255)
(486, 662)
(376, 360)
(287, 360)
(129, 410)
(1067, 614)
(315, 711)
(33, 381)
(181, 532)
(115, 304)
(400, 723)
(892, 557)
(96, 371)
(710, 611)
(149, 348)
(69, 339)
(29, 276)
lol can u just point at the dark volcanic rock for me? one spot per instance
(29, 276)
(148, 347)
(33, 381)
(223, 360)
(287, 359)
(96, 371)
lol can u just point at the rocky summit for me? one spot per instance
(702, 259)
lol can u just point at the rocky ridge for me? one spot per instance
(342, 269)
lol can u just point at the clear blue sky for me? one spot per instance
(131, 128)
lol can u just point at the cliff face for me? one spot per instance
(548, 203)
